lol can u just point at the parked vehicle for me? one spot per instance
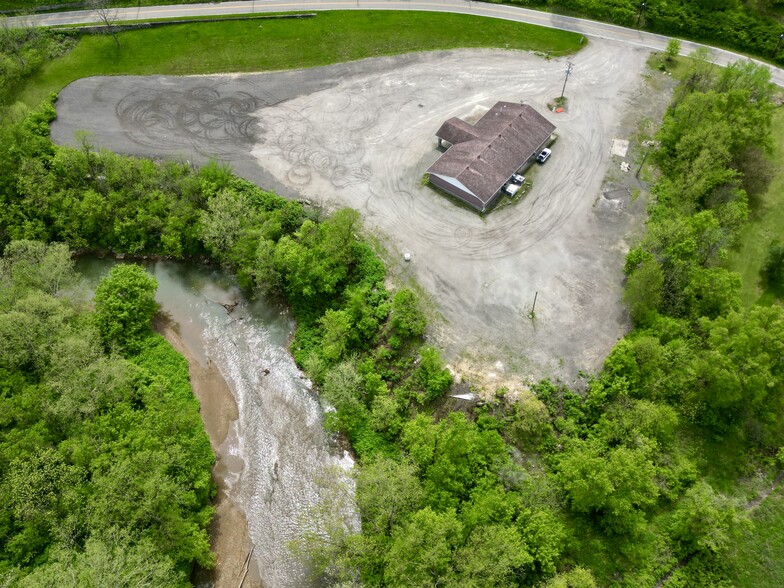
(517, 179)
(542, 157)
(511, 189)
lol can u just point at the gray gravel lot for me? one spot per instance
(362, 134)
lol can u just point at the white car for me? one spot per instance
(542, 157)
(517, 179)
(511, 189)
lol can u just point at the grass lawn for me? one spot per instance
(765, 222)
(263, 45)
(757, 562)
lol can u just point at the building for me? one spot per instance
(480, 158)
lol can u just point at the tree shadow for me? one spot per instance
(758, 172)
(770, 295)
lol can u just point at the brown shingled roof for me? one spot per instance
(456, 131)
(483, 156)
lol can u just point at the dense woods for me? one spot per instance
(104, 463)
(611, 485)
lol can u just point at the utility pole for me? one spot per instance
(569, 65)
(532, 312)
(639, 169)
(648, 145)
(778, 44)
(642, 8)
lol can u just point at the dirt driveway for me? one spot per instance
(362, 134)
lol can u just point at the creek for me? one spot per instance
(271, 449)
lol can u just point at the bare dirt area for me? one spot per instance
(229, 528)
(362, 134)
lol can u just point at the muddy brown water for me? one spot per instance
(263, 420)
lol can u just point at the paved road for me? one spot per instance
(588, 28)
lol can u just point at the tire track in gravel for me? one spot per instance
(362, 134)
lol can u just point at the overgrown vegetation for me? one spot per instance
(755, 562)
(104, 463)
(23, 51)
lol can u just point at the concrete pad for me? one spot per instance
(619, 147)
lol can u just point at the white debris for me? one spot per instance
(619, 147)
(469, 396)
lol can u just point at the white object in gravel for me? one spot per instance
(619, 147)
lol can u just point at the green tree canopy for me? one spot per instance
(124, 305)
(420, 554)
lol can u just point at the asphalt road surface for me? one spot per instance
(589, 28)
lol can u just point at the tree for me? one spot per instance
(704, 522)
(407, 319)
(265, 273)
(421, 551)
(643, 292)
(124, 306)
(713, 292)
(37, 265)
(575, 578)
(673, 49)
(342, 389)
(492, 556)
(110, 560)
(317, 260)
(85, 383)
(431, 376)
(545, 538)
(528, 422)
(229, 214)
(387, 492)
(336, 327)
(42, 489)
(107, 16)
(453, 456)
(385, 415)
(740, 378)
(618, 483)
(145, 492)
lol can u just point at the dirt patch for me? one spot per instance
(362, 134)
(229, 529)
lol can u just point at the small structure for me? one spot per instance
(481, 158)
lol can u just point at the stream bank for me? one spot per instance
(264, 421)
(229, 528)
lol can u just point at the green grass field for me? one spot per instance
(263, 45)
(765, 222)
(757, 561)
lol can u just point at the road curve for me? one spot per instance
(589, 28)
